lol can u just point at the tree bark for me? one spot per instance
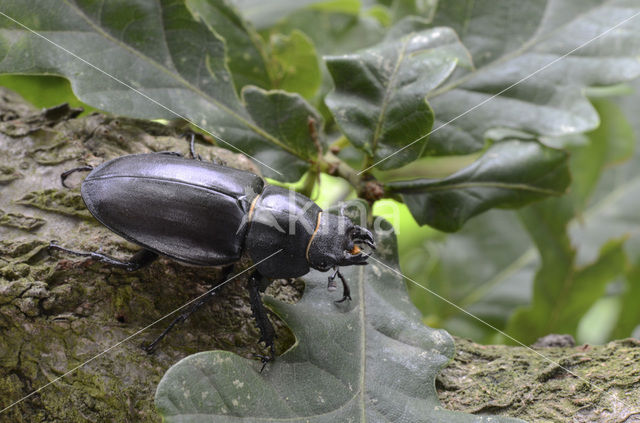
(599, 383)
(58, 311)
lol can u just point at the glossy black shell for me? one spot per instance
(189, 210)
(282, 225)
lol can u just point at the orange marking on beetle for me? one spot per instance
(253, 206)
(306, 254)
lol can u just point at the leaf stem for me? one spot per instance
(339, 144)
(366, 186)
(309, 182)
(334, 166)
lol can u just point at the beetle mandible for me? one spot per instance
(205, 214)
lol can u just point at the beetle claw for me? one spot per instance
(266, 358)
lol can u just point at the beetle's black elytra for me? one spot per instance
(206, 214)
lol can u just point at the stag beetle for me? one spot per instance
(205, 214)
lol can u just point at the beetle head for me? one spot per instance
(353, 253)
(338, 242)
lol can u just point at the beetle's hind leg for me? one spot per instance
(192, 147)
(64, 175)
(192, 150)
(138, 260)
(192, 309)
(170, 153)
(257, 284)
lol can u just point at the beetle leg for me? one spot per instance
(192, 148)
(152, 346)
(258, 283)
(170, 153)
(331, 283)
(346, 292)
(64, 175)
(185, 315)
(264, 359)
(138, 260)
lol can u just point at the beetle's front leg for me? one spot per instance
(346, 292)
(138, 260)
(258, 283)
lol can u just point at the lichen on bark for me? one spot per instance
(599, 383)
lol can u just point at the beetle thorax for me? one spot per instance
(284, 220)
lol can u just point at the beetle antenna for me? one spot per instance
(65, 175)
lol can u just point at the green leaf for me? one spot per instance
(597, 324)
(566, 286)
(611, 143)
(403, 8)
(379, 97)
(333, 32)
(613, 213)
(264, 14)
(486, 268)
(351, 7)
(510, 174)
(294, 64)
(562, 293)
(245, 48)
(381, 14)
(286, 116)
(489, 266)
(368, 360)
(510, 41)
(156, 48)
(43, 90)
(629, 317)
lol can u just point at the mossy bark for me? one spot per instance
(58, 311)
(556, 384)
